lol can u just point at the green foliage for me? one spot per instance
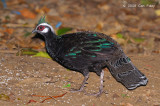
(62, 31)
(27, 34)
(68, 70)
(42, 54)
(26, 51)
(29, 51)
(138, 40)
(7, 17)
(147, 2)
(120, 35)
(124, 95)
(68, 85)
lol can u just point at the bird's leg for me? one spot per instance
(83, 84)
(101, 86)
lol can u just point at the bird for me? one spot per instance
(88, 51)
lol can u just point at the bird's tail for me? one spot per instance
(127, 74)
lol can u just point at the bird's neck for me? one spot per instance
(51, 44)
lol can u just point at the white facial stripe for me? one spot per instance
(46, 29)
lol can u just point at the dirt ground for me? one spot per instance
(23, 76)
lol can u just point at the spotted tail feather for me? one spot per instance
(127, 74)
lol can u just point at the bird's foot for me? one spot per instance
(95, 94)
(76, 90)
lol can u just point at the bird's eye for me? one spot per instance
(40, 28)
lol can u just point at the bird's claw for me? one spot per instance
(94, 94)
(75, 90)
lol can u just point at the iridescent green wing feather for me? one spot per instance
(90, 46)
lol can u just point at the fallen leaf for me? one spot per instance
(49, 97)
(119, 38)
(63, 31)
(26, 51)
(68, 85)
(119, 35)
(42, 54)
(18, 99)
(27, 34)
(68, 69)
(30, 101)
(4, 97)
(27, 13)
(124, 95)
(103, 6)
(45, 9)
(156, 51)
(9, 30)
(99, 26)
(157, 12)
(53, 97)
(138, 40)
(42, 44)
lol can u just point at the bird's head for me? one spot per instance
(43, 28)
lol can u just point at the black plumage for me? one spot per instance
(86, 52)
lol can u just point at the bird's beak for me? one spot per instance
(34, 31)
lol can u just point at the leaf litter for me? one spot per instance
(136, 35)
(48, 97)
